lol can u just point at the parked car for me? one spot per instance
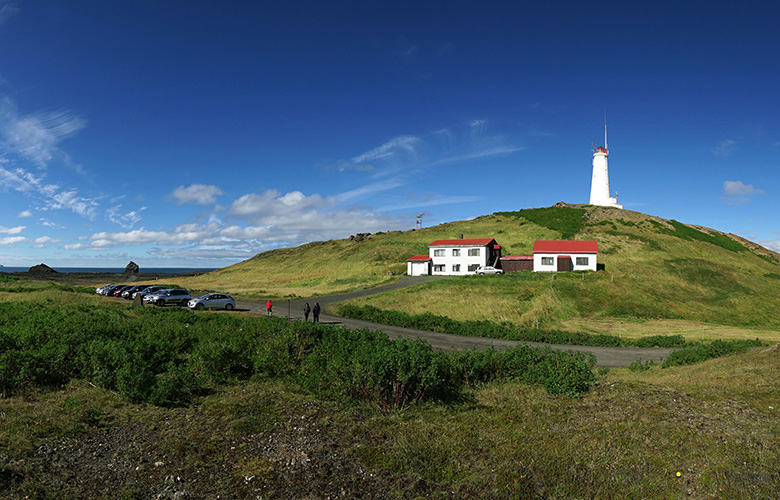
(152, 289)
(213, 301)
(109, 289)
(169, 296)
(128, 294)
(489, 270)
(118, 292)
(99, 290)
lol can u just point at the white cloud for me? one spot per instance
(25, 213)
(11, 240)
(197, 194)
(12, 230)
(44, 241)
(738, 193)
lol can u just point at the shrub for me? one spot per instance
(699, 352)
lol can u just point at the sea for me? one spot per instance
(147, 270)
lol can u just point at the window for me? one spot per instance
(439, 252)
(473, 268)
(456, 252)
(473, 252)
(548, 261)
(456, 268)
(438, 268)
(582, 261)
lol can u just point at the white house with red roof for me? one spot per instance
(462, 256)
(561, 255)
(418, 265)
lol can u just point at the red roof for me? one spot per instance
(567, 246)
(419, 258)
(463, 242)
(518, 257)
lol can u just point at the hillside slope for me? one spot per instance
(654, 269)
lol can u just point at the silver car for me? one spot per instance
(169, 296)
(213, 301)
(489, 270)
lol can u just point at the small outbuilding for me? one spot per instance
(418, 265)
(515, 263)
(561, 255)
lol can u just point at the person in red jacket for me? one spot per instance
(269, 308)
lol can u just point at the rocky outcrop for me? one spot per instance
(359, 237)
(41, 269)
(132, 268)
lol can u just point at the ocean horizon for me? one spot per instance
(114, 270)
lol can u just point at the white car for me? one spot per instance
(168, 296)
(213, 301)
(489, 270)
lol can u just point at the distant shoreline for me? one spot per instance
(96, 278)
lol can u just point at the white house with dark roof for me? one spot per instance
(462, 256)
(560, 255)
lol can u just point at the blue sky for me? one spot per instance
(198, 134)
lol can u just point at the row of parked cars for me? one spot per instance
(161, 295)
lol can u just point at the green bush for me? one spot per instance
(490, 329)
(699, 352)
(166, 356)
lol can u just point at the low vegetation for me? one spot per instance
(261, 407)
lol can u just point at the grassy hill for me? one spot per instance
(660, 276)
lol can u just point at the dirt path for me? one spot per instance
(611, 357)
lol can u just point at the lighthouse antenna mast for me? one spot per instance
(605, 130)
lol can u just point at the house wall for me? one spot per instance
(448, 260)
(419, 268)
(538, 267)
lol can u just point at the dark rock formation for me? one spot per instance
(132, 268)
(359, 237)
(41, 269)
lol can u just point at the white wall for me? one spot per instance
(417, 268)
(591, 266)
(464, 259)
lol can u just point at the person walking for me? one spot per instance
(269, 308)
(316, 312)
(306, 311)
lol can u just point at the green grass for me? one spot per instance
(715, 422)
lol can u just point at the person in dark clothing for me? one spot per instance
(306, 311)
(316, 312)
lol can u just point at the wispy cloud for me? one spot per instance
(738, 193)
(33, 140)
(397, 148)
(725, 148)
(7, 10)
(369, 190)
(125, 220)
(36, 137)
(196, 194)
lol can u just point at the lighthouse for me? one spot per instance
(599, 183)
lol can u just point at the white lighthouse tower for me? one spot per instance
(599, 184)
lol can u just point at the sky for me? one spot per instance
(200, 133)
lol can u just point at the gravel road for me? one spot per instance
(611, 357)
